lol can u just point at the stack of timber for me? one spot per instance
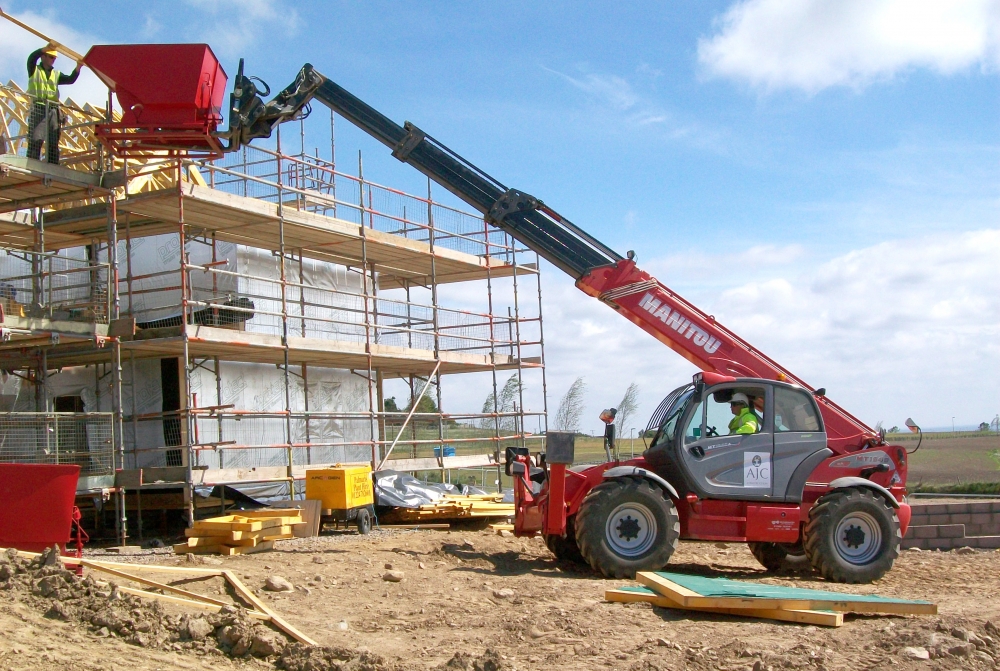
(454, 507)
(771, 602)
(243, 533)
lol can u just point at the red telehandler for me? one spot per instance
(811, 479)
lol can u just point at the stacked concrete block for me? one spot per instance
(943, 526)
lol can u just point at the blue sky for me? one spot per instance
(824, 175)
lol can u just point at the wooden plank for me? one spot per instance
(817, 617)
(311, 515)
(152, 568)
(722, 593)
(271, 512)
(155, 568)
(440, 525)
(229, 551)
(222, 534)
(152, 583)
(185, 549)
(229, 523)
(276, 619)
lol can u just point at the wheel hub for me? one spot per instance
(854, 537)
(630, 530)
(858, 538)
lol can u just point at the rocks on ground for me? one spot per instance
(275, 583)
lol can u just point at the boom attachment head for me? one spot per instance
(251, 118)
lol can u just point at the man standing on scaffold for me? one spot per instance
(45, 121)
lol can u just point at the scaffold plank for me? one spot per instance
(251, 221)
(27, 182)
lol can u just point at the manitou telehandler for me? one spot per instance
(810, 479)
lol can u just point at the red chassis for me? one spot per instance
(701, 519)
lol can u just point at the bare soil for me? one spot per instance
(477, 600)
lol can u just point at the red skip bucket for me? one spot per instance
(170, 94)
(36, 505)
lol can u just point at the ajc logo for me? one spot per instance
(757, 469)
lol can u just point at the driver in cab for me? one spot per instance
(743, 421)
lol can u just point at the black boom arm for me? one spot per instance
(524, 217)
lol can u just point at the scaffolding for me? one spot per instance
(276, 303)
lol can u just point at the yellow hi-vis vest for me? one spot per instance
(745, 422)
(44, 87)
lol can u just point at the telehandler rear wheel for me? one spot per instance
(565, 547)
(627, 525)
(852, 536)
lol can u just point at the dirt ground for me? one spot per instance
(505, 603)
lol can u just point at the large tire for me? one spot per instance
(627, 525)
(852, 536)
(565, 547)
(779, 556)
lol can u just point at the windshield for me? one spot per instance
(668, 414)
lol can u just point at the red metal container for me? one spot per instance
(170, 94)
(36, 505)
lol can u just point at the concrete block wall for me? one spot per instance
(943, 526)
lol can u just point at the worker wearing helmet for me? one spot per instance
(743, 421)
(45, 122)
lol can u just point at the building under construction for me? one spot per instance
(174, 324)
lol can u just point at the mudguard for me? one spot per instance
(854, 481)
(635, 471)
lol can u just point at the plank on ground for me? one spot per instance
(276, 619)
(817, 617)
(697, 591)
(152, 583)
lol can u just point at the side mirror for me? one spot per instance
(911, 425)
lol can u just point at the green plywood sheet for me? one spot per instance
(725, 588)
(696, 591)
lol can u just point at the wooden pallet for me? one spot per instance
(243, 533)
(455, 507)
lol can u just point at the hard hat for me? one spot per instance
(50, 50)
(740, 397)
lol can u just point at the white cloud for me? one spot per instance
(238, 24)
(619, 105)
(906, 327)
(815, 44)
(16, 43)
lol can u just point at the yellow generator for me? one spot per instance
(346, 493)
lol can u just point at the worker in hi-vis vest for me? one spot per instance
(743, 421)
(45, 121)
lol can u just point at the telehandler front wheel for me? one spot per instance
(565, 547)
(852, 536)
(627, 525)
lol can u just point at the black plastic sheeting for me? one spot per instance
(401, 490)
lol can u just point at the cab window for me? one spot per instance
(794, 411)
(693, 430)
(666, 432)
(718, 411)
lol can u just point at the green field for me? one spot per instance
(943, 461)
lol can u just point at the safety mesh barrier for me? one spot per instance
(54, 286)
(254, 304)
(312, 184)
(85, 439)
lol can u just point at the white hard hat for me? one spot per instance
(740, 397)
